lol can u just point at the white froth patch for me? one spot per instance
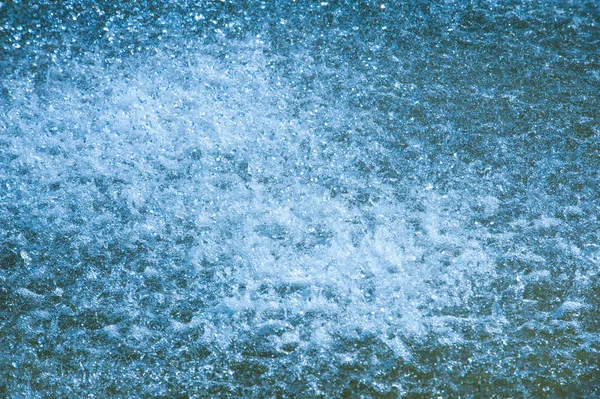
(209, 151)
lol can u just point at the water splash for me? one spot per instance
(223, 218)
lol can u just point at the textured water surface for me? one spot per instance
(298, 199)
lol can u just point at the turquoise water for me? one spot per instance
(298, 199)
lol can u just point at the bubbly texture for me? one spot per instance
(296, 199)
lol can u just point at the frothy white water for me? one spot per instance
(209, 153)
(203, 200)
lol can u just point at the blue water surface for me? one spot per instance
(299, 199)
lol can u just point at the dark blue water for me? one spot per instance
(294, 199)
